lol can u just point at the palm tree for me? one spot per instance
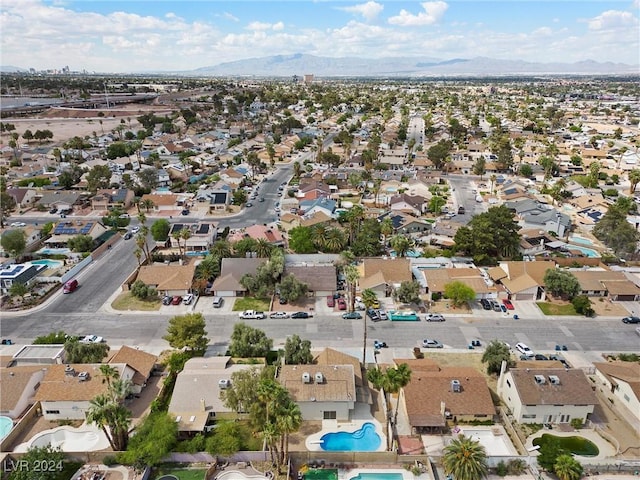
(399, 378)
(319, 233)
(401, 244)
(148, 204)
(634, 179)
(380, 380)
(176, 235)
(138, 253)
(335, 240)
(185, 234)
(352, 275)
(289, 420)
(492, 179)
(354, 217)
(567, 468)
(221, 249)
(113, 418)
(109, 374)
(296, 169)
(377, 183)
(465, 459)
(386, 229)
(263, 248)
(369, 298)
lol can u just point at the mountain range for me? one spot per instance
(302, 64)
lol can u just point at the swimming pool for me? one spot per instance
(87, 438)
(580, 240)
(377, 476)
(365, 439)
(589, 252)
(6, 425)
(54, 251)
(53, 264)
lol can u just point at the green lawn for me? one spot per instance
(180, 473)
(250, 303)
(555, 309)
(126, 301)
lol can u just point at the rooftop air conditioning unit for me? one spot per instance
(455, 386)
(554, 379)
(306, 377)
(540, 380)
(224, 383)
(319, 377)
(69, 371)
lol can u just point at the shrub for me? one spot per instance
(109, 460)
(501, 469)
(516, 466)
(582, 305)
(576, 423)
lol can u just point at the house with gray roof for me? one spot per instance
(217, 199)
(18, 273)
(231, 272)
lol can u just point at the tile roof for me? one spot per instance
(338, 384)
(329, 356)
(317, 277)
(233, 269)
(574, 387)
(628, 372)
(141, 362)
(167, 277)
(13, 382)
(430, 390)
(394, 270)
(167, 199)
(57, 386)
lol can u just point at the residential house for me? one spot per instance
(436, 395)
(19, 385)
(329, 356)
(533, 241)
(24, 197)
(321, 278)
(141, 362)
(163, 202)
(68, 229)
(546, 395)
(62, 200)
(310, 189)
(202, 236)
(322, 392)
(168, 279)
(324, 205)
(534, 214)
(258, 232)
(414, 205)
(66, 390)
(443, 233)
(231, 272)
(196, 400)
(24, 274)
(32, 238)
(38, 355)
(217, 199)
(382, 275)
(522, 280)
(606, 283)
(232, 177)
(437, 279)
(620, 381)
(108, 199)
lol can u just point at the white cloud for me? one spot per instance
(277, 26)
(636, 4)
(433, 12)
(229, 16)
(262, 26)
(369, 11)
(542, 31)
(613, 19)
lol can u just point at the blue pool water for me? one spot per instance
(6, 424)
(49, 263)
(363, 440)
(54, 251)
(587, 251)
(377, 476)
(580, 240)
(409, 254)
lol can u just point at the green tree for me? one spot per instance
(14, 242)
(78, 352)
(525, 170)
(30, 466)
(291, 289)
(155, 438)
(369, 298)
(242, 395)
(459, 293)
(548, 454)
(561, 283)
(479, 168)
(380, 380)
(494, 354)
(142, 291)
(160, 230)
(616, 232)
(582, 305)
(249, 342)
(399, 377)
(113, 418)
(439, 152)
(401, 244)
(567, 468)
(98, 177)
(53, 338)
(227, 438)
(465, 459)
(408, 292)
(239, 197)
(187, 331)
(18, 289)
(297, 351)
(301, 240)
(81, 243)
(7, 202)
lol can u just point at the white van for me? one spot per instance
(217, 302)
(524, 349)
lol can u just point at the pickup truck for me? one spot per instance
(252, 315)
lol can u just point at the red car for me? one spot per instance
(508, 304)
(331, 301)
(176, 300)
(342, 305)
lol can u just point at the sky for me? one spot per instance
(162, 35)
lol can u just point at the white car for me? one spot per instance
(431, 343)
(92, 339)
(187, 299)
(524, 350)
(18, 224)
(279, 315)
(135, 230)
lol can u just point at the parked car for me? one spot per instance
(375, 304)
(342, 304)
(18, 224)
(383, 315)
(631, 320)
(352, 316)
(261, 199)
(373, 314)
(128, 235)
(496, 306)
(507, 303)
(524, 349)
(6, 341)
(166, 300)
(434, 317)
(279, 315)
(187, 299)
(331, 302)
(91, 339)
(135, 229)
(176, 300)
(378, 344)
(301, 315)
(431, 343)
(185, 212)
(539, 356)
(249, 204)
(53, 210)
(486, 304)
(503, 308)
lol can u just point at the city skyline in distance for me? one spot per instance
(171, 36)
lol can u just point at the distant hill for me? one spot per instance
(301, 64)
(11, 69)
